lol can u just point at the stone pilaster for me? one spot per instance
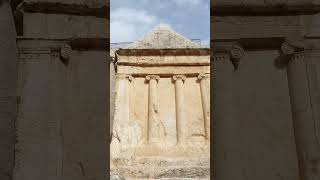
(65, 96)
(152, 136)
(303, 78)
(205, 97)
(178, 81)
(225, 122)
(40, 114)
(122, 103)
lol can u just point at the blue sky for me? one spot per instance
(131, 19)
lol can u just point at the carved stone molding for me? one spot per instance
(156, 77)
(179, 77)
(59, 49)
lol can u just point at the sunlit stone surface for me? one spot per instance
(161, 117)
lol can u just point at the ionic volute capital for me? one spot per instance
(289, 48)
(203, 76)
(179, 77)
(233, 50)
(65, 51)
(150, 77)
(125, 76)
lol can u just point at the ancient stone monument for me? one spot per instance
(63, 89)
(265, 89)
(162, 109)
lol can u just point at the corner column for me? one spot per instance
(203, 78)
(225, 152)
(122, 114)
(152, 108)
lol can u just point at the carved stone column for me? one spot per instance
(152, 136)
(226, 125)
(205, 103)
(303, 76)
(179, 80)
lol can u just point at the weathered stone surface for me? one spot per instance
(88, 3)
(164, 60)
(163, 37)
(229, 7)
(56, 26)
(159, 122)
(63, 89)
(261, 140)
(254, 26)
(170, 70)
(8, 90)
(51, 132)
(39, 140)
(85, 134)
(261, 27)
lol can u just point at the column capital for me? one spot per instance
(233, 49)
(65, 51)
(228, 51)
(290, 46)
(296, 50)
(149, 77)
(203, 76)
(125, 76)
(179, 77)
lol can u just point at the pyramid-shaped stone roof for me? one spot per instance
(163, 37)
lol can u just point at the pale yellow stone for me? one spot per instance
(161, 118)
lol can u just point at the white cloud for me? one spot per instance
(128, 24)
(190, 2)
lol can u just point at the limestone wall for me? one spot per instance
(257, 92)
(64, 87)
(253, 130)
(8, 90)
